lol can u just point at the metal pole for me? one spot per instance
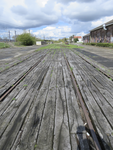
(15, 35)
(9, 36)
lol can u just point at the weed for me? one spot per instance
(4, 45)
(110, 79)
(71, 68)
(35, 146)
(25, 85)
(97, 69)
(7, 67)
(13, 99)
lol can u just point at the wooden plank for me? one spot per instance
(46, 133)
(61, 133)
(34, 75)
(15, 104)
(102, 126)
(33, 121)
(104, 105)
(11, 75)
(18, 118)
(11, 132)
(77, 129)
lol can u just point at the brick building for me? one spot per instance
(101, 34)
(86, 38)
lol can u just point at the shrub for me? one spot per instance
(100, 44)
(75, 40)
(26, 39)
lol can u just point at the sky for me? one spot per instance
(53, 19)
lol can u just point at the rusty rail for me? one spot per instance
(19, 80)
(96, 142)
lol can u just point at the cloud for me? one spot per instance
(20, 10)
(77, 16)
(86, 13)
(54, 32)
(69, 1)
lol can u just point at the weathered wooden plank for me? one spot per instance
(32, 77)
(15, 118)
(16, 103)
(102, 125)
(14, 73)
(77, 129)
(46, 133)
(105, 106)
(61, 133)
(34, 119)
(12, 130)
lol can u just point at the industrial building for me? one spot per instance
(100, 34)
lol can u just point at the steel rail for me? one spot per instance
(96, 142)
(19, 80)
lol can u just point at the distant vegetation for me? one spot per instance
(75, 40)
(100, 44)
(25, 39)
(4, 45)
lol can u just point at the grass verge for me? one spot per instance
(4, 45)
(58, 46)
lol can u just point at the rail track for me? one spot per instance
(2, 97)
(61, 102)
(88, 119)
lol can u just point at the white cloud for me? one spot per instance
(101, 21)
(54, 32)
(42, 3)
(78, 16)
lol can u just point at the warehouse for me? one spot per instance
(86, 38)
(101, 34)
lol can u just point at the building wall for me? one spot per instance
(102, 36)
(86, 39)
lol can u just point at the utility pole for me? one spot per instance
(44, 37)
(9, 36)
(15, 35)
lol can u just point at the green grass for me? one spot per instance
(35, 146)
(71, 69)
(74, 46)
(97, 69)
(7, 67)
(58, 46)
(4, 45)
(18, 44)
(13, 99)
(25, 85)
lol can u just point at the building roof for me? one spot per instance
(79, 37)
(101, 26)
(86, 35)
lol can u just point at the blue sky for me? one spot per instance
(53, 18)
